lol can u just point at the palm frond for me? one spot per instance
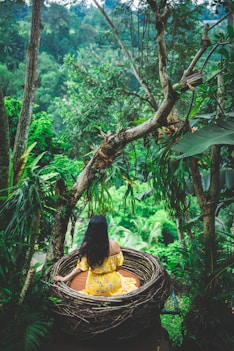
(34, 334)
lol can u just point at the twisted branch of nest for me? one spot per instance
(117, 317)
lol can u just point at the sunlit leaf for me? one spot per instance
(195, 143)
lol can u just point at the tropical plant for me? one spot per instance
(210, 302)
(172, 319)
(28, 320)
(23, 297)
(21, 212)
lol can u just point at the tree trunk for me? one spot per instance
(180, 232)
(35, 232)
(208, 201)
(209, 236)
(31, 83)
(4, 145)
(56, 246)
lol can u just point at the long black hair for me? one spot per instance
(95, 245)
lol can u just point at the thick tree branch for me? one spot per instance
(192, 77)
(160, 23)
(111, 147)
(216, 149)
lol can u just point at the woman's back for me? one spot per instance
(101, 257)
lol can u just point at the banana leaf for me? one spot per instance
(214, 134)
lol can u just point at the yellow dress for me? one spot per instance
(104, 280)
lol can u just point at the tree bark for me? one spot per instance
(31, 83)
(35, 232)
(180, 232)
(213, 194)
(208, 201)
(4, 145)
(56, 247)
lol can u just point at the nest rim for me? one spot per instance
(57, 270)
(78, 313)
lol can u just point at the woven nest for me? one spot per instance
(118, 317)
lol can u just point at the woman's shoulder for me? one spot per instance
(114, 247)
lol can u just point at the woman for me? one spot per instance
(100, 257)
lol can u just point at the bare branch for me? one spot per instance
(129, 57)
(220, 20)
(205, 44)
(214, 75)
(190, 74)
(209, 55)
(131, 93)
(160, 22)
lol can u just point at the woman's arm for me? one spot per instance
(114, 247)
(69, 276)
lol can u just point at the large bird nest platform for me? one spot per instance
(117, 317)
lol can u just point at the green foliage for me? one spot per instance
(34, 192)
(24, 199)
(173, 323)
(13, 107)
(123, 208)
(6, 77)
(214, 134)
(208, 325)
(144, 229)
(26, 334)
(24, 327)
(94, 91)
(183, 20)
(52, 77)
(41, 132)
(149, 230)
(16, 85)
(11, 43)
(68, 168)
(172, 257)
(28, 321)
(98, 198)
(55, 37)
(209, 310)
(167, 181)
(125, 237)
